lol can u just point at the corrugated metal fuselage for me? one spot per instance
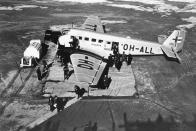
(101, 43)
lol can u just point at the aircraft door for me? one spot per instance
(108, 46)
(115, 48)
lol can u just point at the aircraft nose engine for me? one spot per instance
(65, 40)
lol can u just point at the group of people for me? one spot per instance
(57, 103)
(79, 91)
(74, 43)
(63, 56)
(118, 59)
(42, 70)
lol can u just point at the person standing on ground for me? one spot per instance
(110, 60)
(66, 71)
(45, 68)
(55, 99)
(79, 91)
(129, 59)
(51, 103)
(59, 104)
(123, 57)
(106, 80)
(39, 75)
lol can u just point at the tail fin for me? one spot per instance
(173, 44)
(175, 40)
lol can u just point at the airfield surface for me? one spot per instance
(167, 89)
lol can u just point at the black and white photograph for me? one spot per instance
(97, 65)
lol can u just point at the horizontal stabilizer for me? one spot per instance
(170, 52)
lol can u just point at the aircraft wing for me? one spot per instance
(93, 23)
(88, 67)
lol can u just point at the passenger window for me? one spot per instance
(93, 40)
(100, 41)
(86, 38)
(108, 42)
(80, 37)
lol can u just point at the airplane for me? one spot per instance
(92, 37)
(90, 49)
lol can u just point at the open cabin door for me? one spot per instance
(112, 46)
(108, 45)
(115, 48)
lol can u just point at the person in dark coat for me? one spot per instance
(39, 75)
(115, 51)
(59, 104)
(79, 92)
(118, 63)
(129, 59)
(74, 43)
(51, 103)
(66, 72)
(115, 48)
(106, 80)
(124, 57)
(55, 99)
(110, 60)
(76, 89)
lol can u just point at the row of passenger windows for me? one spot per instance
(93, 39)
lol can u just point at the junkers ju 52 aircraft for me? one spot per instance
(92, 37)
(92, 46)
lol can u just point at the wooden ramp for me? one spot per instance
(56, 85)
(56, 73)
(123, 83)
